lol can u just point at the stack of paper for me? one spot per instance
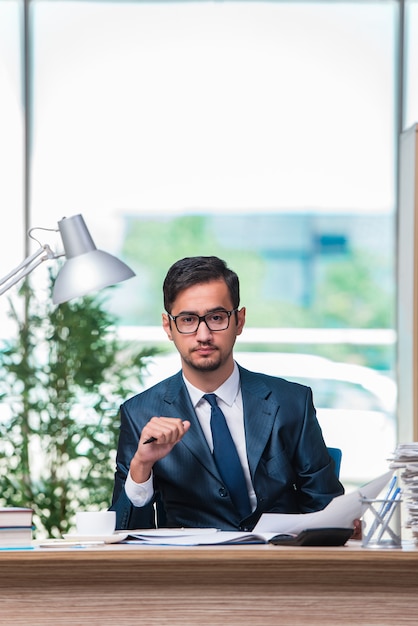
(405, 458)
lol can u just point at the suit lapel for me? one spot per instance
(181, 406)
(260, 411)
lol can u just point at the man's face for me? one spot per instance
(205, 350)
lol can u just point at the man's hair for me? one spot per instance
(195, 270)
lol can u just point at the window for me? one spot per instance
(11, 144)
(263, 132)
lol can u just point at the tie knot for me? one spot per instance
(211, 398)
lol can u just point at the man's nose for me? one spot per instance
(202, 330)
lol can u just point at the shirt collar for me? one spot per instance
(227, 392)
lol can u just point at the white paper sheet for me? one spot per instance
(340, 512)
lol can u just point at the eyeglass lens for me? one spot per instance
(218, 320)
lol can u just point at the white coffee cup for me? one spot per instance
(95, 522)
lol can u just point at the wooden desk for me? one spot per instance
(236, 585)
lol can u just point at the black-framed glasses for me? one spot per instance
(188, 323)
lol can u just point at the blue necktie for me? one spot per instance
(227, 459)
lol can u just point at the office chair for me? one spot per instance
(336, 455)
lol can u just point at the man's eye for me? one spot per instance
(191, 319)
(217, 317)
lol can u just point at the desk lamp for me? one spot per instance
(86, 268)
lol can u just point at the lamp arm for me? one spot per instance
(26, 267)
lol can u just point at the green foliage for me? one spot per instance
(63, 376)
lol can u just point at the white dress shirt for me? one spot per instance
(229, 399)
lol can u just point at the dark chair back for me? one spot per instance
(336, 455)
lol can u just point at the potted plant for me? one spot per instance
(62, 378)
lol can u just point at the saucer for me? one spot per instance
(115, 538)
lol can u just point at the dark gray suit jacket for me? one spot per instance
(290, 467)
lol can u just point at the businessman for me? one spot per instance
(216, 445)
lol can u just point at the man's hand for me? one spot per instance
(357, 533)
(167, 431)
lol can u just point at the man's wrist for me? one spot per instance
(140, 472)
(139, 494)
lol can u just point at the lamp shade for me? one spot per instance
(86, 268)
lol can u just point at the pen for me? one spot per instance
(150, 440)
(391, 486)
(390, 503)
(387, 514)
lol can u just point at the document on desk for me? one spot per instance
(339, 513)
(194, 537)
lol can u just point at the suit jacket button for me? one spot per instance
(223, 492)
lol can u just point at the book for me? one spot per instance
(15, 516)
(15, 537)
(15, 527)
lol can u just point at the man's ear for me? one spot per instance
(167, 326)
(240, 320)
